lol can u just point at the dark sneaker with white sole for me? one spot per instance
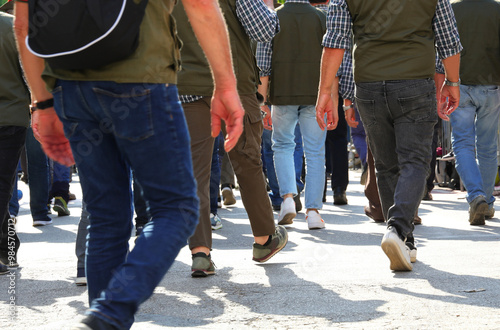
(262, 253)
(396, 250)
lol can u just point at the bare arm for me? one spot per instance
(262, 89)
(449, 95)
(47, 128)
(209, 26)
(33, 65)
(327, 101)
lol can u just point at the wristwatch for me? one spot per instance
(347, 107)
(453, 84)
(42, 105)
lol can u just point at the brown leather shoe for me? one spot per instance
(417, 220)
(373, 214)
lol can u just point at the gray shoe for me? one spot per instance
(202, 265)
(396, 250)
(262, 253)
(477, 211)
(490, 213)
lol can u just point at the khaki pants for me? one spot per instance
(247, 165)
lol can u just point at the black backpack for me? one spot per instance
(84, 34)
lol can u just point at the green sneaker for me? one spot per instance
(262, 253)
(202, 265)
(60, 206)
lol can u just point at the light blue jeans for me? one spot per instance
(474, 138)
(285, 118)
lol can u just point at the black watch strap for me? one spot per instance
(44, 104)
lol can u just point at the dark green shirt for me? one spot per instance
(478, 24)
(156, 60)
(297, 55)
(14, 95)
(195, 77)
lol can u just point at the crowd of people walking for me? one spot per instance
(265, 92)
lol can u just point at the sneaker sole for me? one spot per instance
(41, 223)
(61, 211)
(287, 219)
(478, 219)
(397, 259)
(217, 227)
(413, 256)
(201, 272)
(317, 226)
(81, 281)
(228, 198)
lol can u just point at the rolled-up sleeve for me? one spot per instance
(346, 79)
(260, 22)
(338, 26)
(445, 30)
(264, 55)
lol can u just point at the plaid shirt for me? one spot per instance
(339, 28)
(260, 23)
(265, 53)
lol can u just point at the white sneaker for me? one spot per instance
(287, 212)
(215, 221)
(314, 220)
(396, 250)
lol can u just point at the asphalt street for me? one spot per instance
(333, 278)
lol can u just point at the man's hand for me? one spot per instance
(48, 130)
(327, 104)
(350, 118)
(449, 100)
(267, 120)
(226, 105)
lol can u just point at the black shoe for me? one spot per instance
(60, 206)
(277, 207)
(298, 203)
(9, 262)
(95, 323)
(3, 269)
(339, 197)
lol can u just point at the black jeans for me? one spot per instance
(12, 140)
(336, 152)
(399, 118)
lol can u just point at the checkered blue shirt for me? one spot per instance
(260, 23)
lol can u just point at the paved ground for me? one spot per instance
(333, 278)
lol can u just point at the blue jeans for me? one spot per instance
(114, 128)
(14, 201)
(215, 174)
(285, 118)
(358, 136)
(38, 176)
(61, 176)
(474, 138)
(268, 155)
(399, 118)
